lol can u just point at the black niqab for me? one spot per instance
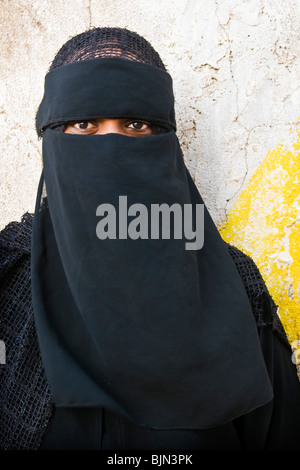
(144, 327)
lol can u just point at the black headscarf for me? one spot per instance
(145, 327)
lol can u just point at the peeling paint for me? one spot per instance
(265, 223)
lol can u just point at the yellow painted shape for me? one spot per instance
(265, 224)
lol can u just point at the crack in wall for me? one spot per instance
(236, 119)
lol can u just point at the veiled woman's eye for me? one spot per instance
(81, 125)
(140, 126)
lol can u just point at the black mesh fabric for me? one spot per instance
(107, 42)
(25, 400)
(258, 294)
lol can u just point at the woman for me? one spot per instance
(146, 342)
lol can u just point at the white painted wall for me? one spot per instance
(236, 71)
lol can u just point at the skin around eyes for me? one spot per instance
(129, 127)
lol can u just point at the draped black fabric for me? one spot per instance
(143, 326)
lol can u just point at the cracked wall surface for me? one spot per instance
(236, 69)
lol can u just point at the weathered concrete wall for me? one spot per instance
(236, 71)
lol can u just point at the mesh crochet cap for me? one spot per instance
(107, 42)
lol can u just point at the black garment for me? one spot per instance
(29, 421)
(98, 429)
(136, 324)
(274, 426)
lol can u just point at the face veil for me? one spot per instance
(143, 326)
